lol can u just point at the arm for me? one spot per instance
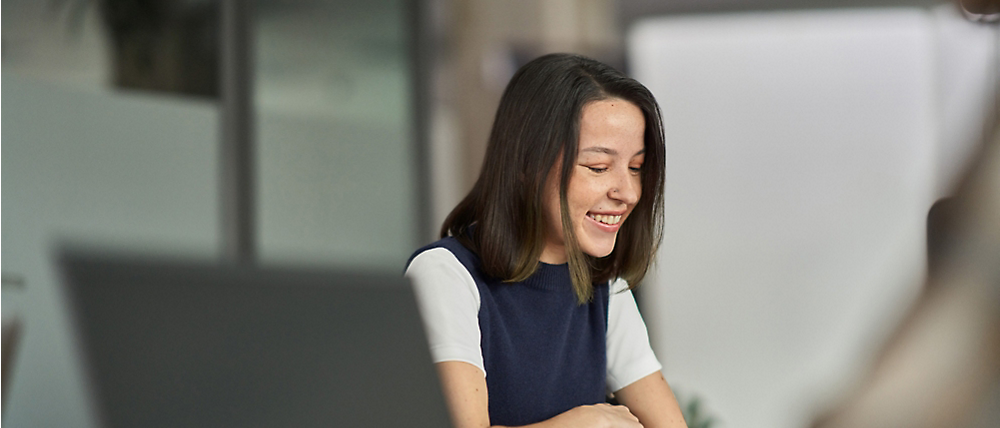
(464, 387)
(652, 401)
(633, 370)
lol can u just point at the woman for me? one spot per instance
(527, 297)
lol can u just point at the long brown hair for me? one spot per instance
(538, 121)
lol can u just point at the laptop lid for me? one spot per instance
(176, 343)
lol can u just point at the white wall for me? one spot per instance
(803, 155)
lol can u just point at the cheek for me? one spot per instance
(580, 197)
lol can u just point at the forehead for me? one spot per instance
(612, 126)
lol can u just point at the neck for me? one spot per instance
(553, 255)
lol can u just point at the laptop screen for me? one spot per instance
(172, 343)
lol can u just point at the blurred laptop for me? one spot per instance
(185, 344)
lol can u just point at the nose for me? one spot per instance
(626, 188)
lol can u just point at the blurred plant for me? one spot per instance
(694, 414)
(159, 45)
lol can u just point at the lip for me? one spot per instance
(609, 228)
(622, 212)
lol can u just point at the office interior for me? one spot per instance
(807, 142)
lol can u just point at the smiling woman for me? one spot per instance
(526, 297)
(606, 183)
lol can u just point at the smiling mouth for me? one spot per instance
(606, 219)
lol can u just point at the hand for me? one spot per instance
(598, 416)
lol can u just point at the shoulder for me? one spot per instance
(440, 249)
(444, 267)
(623, 312)
(630, 356)
(619, 286)
(449, 301)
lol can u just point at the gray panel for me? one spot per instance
(172, 344)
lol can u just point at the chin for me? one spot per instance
(600, 250)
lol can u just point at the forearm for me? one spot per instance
(652, 401)
(595, 416)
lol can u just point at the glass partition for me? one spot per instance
(335, 156)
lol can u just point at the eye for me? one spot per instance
(597, 169)
(635, 169)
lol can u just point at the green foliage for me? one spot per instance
(695, 415)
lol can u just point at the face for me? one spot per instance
(605, 183)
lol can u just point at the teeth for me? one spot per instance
(607, 219)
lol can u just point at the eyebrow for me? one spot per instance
(608, 150)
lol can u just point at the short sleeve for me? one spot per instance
(630, 357)
(449, 304)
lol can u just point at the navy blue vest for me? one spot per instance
(544, 353)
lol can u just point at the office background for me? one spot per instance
(807, 140)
